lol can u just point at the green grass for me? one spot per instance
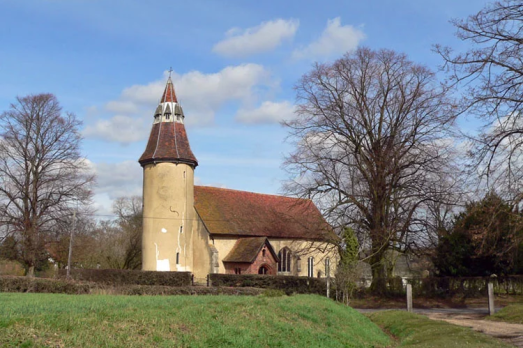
(420, 332)
(512, 314)
(56, 320)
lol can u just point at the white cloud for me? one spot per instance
(268, 112)
(200, 94)
(119, 128)
(118, 179)
(122, 107)
(262, 38)
(334, 40)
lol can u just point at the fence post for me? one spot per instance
(491, 308)
(409, 298)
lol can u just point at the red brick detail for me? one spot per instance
(262, 259)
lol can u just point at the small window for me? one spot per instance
(167, 116)
(263, 270)
(237, 270)
(181, 229)
(177, 258)
(156, 117)
(298, 264)
(263, 251)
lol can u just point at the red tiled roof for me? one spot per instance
(246, 250)
(241, 213)
(168, 94)
(168, 142)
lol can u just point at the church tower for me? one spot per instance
(168, 190)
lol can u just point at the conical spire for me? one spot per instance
(168, 141)
(168, 94)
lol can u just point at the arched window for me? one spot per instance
(285, 260)
(263, 270)
(310, 267)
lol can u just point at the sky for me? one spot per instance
(234, 66)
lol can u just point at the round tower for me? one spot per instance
(168, 190)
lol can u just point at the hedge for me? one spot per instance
(289, 284)
(41, 285)
(124, 277)
(47, 285)
(168, 290)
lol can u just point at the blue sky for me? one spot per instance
(234, 62)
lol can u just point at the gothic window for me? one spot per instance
(237, 270)
(263, 270)
(310, 267)
(285, 260)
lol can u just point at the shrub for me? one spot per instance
(123, 277)
(289, 284)
(41, 285)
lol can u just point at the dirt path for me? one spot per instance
(510, 333)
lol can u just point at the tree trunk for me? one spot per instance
(379, 276)
(30, 271)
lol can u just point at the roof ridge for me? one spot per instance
(256, 193)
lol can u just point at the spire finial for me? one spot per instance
(170, 71)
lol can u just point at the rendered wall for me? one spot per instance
(304, 249)
(202, 250)
(168, 210)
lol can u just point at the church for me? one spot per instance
(204, 230)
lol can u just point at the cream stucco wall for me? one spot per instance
(299, 248)
(168, 210)
(202, 250)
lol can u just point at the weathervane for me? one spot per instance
(170, 71)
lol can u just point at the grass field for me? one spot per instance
(53, 320)
(512, 314)
(418, 331)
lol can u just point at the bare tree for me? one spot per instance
(373, 148)
(490, 76)
(42, 175)
(130, 219)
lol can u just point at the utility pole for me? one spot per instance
(71, 246)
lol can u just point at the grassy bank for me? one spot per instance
(512, 314)
(418, 331)
(55, 320)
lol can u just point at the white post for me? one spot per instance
(409, 298)
(491, 308)
(71, 246)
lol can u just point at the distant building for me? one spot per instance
(211, 230)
